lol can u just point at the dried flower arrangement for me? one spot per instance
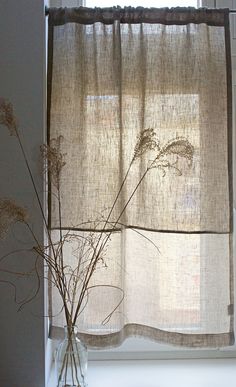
(74, 283)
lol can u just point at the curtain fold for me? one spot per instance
(116, 75)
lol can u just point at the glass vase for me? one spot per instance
(71, 360)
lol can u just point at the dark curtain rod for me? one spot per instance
(47, 11)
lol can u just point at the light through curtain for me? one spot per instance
(115, 75)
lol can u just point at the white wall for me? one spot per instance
(22, 81)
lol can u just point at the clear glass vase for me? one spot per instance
(71, 360)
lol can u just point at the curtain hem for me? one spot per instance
(173, 338)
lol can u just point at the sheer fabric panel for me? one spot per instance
(171, 251)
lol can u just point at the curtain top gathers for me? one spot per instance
(131, 15)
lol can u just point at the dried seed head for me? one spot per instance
(54, 159)
(181, 147)
(178, 147)
(10, 213)
(7, 117)
(146, 141)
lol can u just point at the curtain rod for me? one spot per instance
(47, 11)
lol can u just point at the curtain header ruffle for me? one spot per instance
(131, 15)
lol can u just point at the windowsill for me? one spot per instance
(142, 365)
(161, 373)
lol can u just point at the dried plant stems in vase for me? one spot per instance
(71, 360)
(74, 283)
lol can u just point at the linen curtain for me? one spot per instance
(118, 76)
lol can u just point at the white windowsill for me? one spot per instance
(161, 373)
(150, 364)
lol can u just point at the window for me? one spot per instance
(91, 102)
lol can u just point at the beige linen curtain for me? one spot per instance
(113, 75)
